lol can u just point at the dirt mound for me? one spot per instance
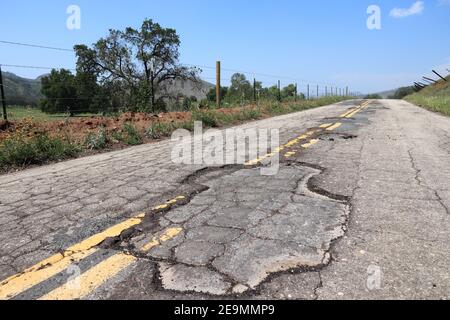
(78, 128)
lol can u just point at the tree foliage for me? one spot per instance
(60, 92)
(139, 63)
(402, 92)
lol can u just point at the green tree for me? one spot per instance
(288, 91)
(402, 92)
(211, 94)
(240, 88)
(143, 61)
(60, 92)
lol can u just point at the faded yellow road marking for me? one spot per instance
(16, 285)
(168, 235)
(289, 154)
(352, 112)
(91, 279)
(325, 125)
(105, 270)
(309, 144)
(168, 203)
(112, 232)
(49, 267)
(289, 144)
(335, 126)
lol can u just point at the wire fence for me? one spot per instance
(305, 88)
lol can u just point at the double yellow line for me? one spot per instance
(353, 112)
(305, 136)
(92, 279)
(16, 284)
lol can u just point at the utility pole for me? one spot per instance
(279, 90)
(308, 93)
(218, 84)
(2, 89)
(326, 91)
(296, 93)
(346, 91)
(317, 91)
(254, 90)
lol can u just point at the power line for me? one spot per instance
(33, 67)
(185, 64)
(35, 46)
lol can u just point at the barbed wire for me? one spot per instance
(249, 73)
(35, 46)
(34, 67)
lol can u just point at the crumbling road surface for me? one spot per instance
(359, 209)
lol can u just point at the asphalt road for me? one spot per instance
(359, 209)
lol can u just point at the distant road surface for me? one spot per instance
(360, 209)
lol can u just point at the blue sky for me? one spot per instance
(320, 41)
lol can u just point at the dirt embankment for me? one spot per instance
(79, 128)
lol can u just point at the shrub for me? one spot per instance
(251, 114)
(131, 136)
(18, 151)
(96, 141)
(206, 117)
(159, 130)
(275, 109)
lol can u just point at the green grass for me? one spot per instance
(435, 98)
(207, 117)
(160, 130)
(433, 103)
(19, 112)
(20, 152)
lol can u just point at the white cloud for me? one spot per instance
(416, 8)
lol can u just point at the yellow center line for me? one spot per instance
(19, 284)
(92, 279)
(289, 144)
(168, 235)
(335, 126)
(352, 112)
(51, 266)
(289, 154)
(95, 277)
(309, 144)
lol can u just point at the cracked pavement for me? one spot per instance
(373, 193)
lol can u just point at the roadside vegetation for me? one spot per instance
(118, 97)
(28, 142)
(20, 151)
(434, 98)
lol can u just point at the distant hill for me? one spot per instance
(22, 91)
(189, 88)
(387, 94)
